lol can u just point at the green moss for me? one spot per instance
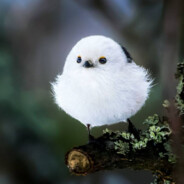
(180, 88)
(107, 131)
(139, 144)
(169, 154)
(127, 135)
(166, 103)
(122, 147)
(159, 181)
(152, 120)
(157, 132)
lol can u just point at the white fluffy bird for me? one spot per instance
(100, 83)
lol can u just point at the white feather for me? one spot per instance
(105, 94)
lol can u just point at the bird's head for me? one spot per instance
(96, 53)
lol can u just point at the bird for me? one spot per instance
(100, 83)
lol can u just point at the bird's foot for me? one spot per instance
(90, 137)
(132, 129)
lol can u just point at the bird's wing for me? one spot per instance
(129, 58)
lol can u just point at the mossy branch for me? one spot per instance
(122, 150)
(149, 150)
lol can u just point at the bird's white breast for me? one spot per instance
(101, 97)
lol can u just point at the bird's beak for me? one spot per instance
(88, 64)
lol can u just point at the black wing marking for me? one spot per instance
(129, 58)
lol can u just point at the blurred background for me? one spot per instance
(35, 38)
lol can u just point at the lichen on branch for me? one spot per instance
(157, 134)
(179, 98)
(121, 149)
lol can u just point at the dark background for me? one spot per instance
(35, 38)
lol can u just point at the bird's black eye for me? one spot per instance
(79, 59)
(102, 60)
